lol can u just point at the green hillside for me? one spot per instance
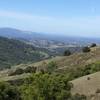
(64, 63)
(59, 78)
(74, 64)
(14, 52)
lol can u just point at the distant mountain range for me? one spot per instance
(37, 39)
(15, 33)
(45, 40)
(54, 44)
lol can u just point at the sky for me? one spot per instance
(64, 17)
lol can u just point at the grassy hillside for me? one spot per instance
(88, 85)
(80, 69)
(13, 52)
(77, 61)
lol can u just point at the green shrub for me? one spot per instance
(67, 53)
(30, 69)
(86, 49)
(93, 45)
(79, 97)
(46, 87)
(8, 92)
(51, 66)
(18, 71)
(98, 91)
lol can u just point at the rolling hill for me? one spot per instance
(13, 52)
(67, 63)
(82, 70)
(76, 60)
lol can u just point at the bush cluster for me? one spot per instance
(19, 71)
(86, 49)
(67, 53)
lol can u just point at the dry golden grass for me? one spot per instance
(87, 85)
(63, 62)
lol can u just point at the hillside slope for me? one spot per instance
(67, 63)
(88, 85)
(79, 64)
(76, 60)
(13, 52)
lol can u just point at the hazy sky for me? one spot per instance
(69, 17)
